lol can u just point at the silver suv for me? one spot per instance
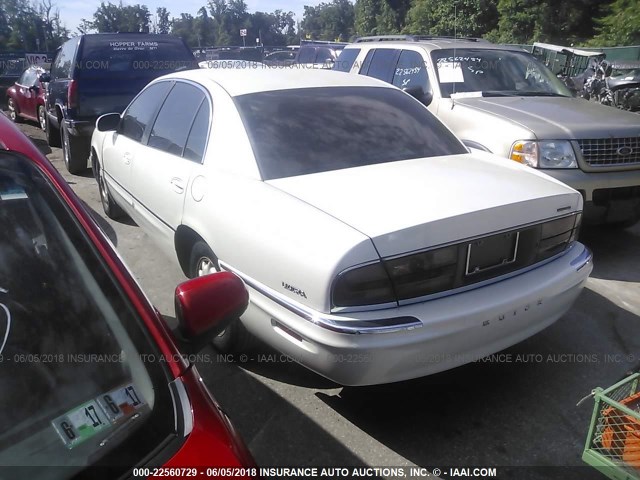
(501, 99)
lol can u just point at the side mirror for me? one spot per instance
(44, 78)
(419, 94)
(206, 305)
(34, 88)
(108, 122)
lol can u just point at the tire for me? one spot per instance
(53, 135)
(74, 151)
(42, 118)
(14, 113)
(234, 338)
(110, 207)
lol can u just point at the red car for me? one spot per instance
(26, 98)
(91, 378)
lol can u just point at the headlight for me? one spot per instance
(544, 154)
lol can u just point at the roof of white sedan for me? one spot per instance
(241, 81)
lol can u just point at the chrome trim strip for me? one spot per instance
(184, 417)
(585, 258)
(331, 322)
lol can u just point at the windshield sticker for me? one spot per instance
(5, 315)
(85, 421)
(12, 192)
(80, 424)
(120, 402)
(450, 72)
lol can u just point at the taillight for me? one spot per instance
(368, 285)
(72, 94)
(557, 234)
(424, 273)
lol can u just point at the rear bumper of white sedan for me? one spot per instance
(390, 345)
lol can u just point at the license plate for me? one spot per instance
(492, 252)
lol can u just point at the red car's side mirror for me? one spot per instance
(206, 305)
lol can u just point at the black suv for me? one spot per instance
(101, 73)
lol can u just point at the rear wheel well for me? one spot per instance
(184, 240)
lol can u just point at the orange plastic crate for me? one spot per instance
(621, 435)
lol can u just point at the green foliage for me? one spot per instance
(528, 21)
(31, 27)
(329, 21)
(163, 23)
(466, 18)
(380, 17)
(110, 17)
(620, 26)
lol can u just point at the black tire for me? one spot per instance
(234, 338)
(53, 135)
(14, 112)
(42, 117)
(75, 151)
(110, 207)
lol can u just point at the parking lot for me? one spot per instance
(514, 411)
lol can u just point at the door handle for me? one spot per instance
(177, 184)
(127, 158)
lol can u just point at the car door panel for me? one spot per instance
(160, 172)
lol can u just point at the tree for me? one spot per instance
(527, 21)
(380, 17)
(329, 21)
(121, 18)
(621, 25)
(34, 27)
(184, 27)
(163, 24)
(465, 18)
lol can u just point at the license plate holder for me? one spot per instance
(491, 252)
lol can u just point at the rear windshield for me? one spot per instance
(150, 56)
(311, 130)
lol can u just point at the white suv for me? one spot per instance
(501, 99)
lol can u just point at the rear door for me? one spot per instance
(123, 147)
(161, 174)
(380, 63)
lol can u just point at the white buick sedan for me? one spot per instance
(375, 246)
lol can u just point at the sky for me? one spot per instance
(73, 11)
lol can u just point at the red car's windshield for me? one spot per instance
(81, 382)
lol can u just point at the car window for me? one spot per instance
(493, 72)
(307, 55)
(411, 71)
(141, 111)
(171, 128)
(63, 63)
(76, 354)
(199, 134)
(346, 59)
(145, 56)
(383, 64)
(324, 54)
(310, 130)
